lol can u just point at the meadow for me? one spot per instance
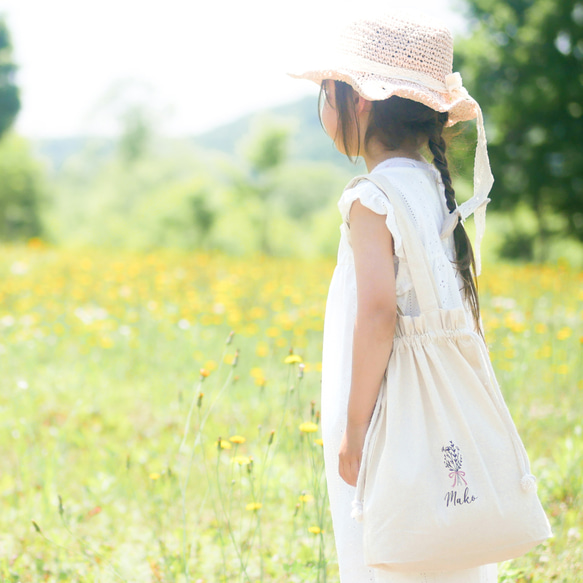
(159, 414)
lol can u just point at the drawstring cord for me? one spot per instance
(527, 481)
(357, 503)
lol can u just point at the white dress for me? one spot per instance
(420, 187)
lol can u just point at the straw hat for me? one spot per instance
(406, 54)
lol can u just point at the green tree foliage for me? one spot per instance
(179, 214)
(21, 176)
(166, 197)
(21, 190)
(264, 150)
(147, 192)
(9, 93)
(524, 64)
(267, 148)
(136, 133)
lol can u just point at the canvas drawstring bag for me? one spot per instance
(444, 481)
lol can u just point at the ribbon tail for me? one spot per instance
(480, 223)
(483, 181)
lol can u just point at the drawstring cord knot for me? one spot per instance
(357, 510)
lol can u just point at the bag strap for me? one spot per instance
(421, 271)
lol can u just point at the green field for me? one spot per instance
(159, 415)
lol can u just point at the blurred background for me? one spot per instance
(168, 230)
(145, 125)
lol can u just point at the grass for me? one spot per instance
(159, 415)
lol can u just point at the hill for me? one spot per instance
(308, 142)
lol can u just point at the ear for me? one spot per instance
(361, 104)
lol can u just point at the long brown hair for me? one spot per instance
(395, 122)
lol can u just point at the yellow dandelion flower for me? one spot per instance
(319, 441)
(563, 369)
(306, 498)
(154, 476)
(242, 460)
(257, 313)
(540, 328)
(256, 372)
(315, 530)
(211, 365)
(253, 506)
(224, 444)
(237, 439)
(36, 243)
(106, 342)
(517, 327)
(206, 320)
(292, 359)
(273, 332)
(308, 427)
(262, 349)
(564, 333)
(250, 329)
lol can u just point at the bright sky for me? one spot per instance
(197, 64)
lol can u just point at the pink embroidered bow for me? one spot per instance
(457, 476)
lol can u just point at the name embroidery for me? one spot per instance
(452, 458)
(454, 498)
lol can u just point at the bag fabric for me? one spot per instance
(445, 480)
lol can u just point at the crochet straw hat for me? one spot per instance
(407, 54)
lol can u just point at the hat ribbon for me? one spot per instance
(454, 86)
(483, 181)
(364, 65)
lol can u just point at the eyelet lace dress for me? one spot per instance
(420, 187)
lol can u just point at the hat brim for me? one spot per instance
(377, 88)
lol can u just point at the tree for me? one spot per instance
(136, 133)
(22, 190)
(9, 93)
(265, 151)
(523, 64)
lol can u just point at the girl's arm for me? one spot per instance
(374, 328)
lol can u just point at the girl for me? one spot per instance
(387, 93)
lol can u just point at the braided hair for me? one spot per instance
(465, 262)
(398, 121)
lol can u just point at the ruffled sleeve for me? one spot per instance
(374, 199)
